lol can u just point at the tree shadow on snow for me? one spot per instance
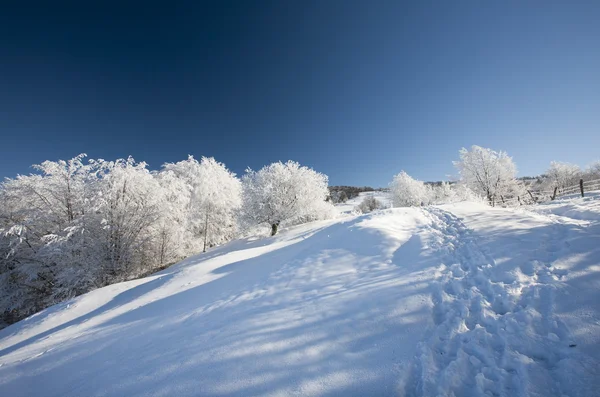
(119, 300)
(267, 324)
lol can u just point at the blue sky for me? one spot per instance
(357, 90)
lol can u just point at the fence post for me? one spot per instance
(581, 186)
(554, 194)
(519, 198)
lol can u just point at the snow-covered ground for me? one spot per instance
(573, 206)
(349, 206)
(454, 300)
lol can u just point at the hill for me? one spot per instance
(461, 298)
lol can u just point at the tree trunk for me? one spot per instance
(205, 231)
(581, 186)
(554, 194)
(490, 196)
(274, 228)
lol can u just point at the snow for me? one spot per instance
(519, 293)
(349, 206)
(453, 300)
(573, 206)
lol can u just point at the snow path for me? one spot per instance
(456, 300)
(496, 330)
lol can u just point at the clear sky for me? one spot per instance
(357, 90)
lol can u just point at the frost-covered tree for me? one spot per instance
(488, 173)
(338, 196)
(562, 175)
(592, 171)
(369, 204)
(214, 198)
(446, 192)
(127, 206)
(594, 167)
(42, 234)
(52, 198)
(174, 238)
(220, 198)
(407, 192)
(71, 227)
(284, 193)
(442, 193)
(463, 193)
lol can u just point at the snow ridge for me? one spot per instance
(494, 333)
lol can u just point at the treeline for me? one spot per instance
(341, 194)
(73, 226)
(562, 175)
(76, 225)
(491, 176)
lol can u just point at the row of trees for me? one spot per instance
(407, 192)
(73, 226)
(341, 194)
(563, 175)
(488, 174)
(484, 173)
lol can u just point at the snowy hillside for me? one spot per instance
(455, 300)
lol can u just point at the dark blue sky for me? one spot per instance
(358, 90)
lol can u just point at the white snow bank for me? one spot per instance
(572, 206)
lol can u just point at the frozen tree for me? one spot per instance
(488, 173)
(182, 180)
(461, 192)
(445, 192)
(219, 198)
(174, 239)
(592, 171)
(338, 196)
(407, 192)
(284, 193)
(71, 227)
(128, 206)
(54, 197)
(214, 196)
(442, 193)
(594, 168)
(562, 175)
(42, 234)
(369, 204)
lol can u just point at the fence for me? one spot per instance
(540, 196)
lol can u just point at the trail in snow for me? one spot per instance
(495, 331)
